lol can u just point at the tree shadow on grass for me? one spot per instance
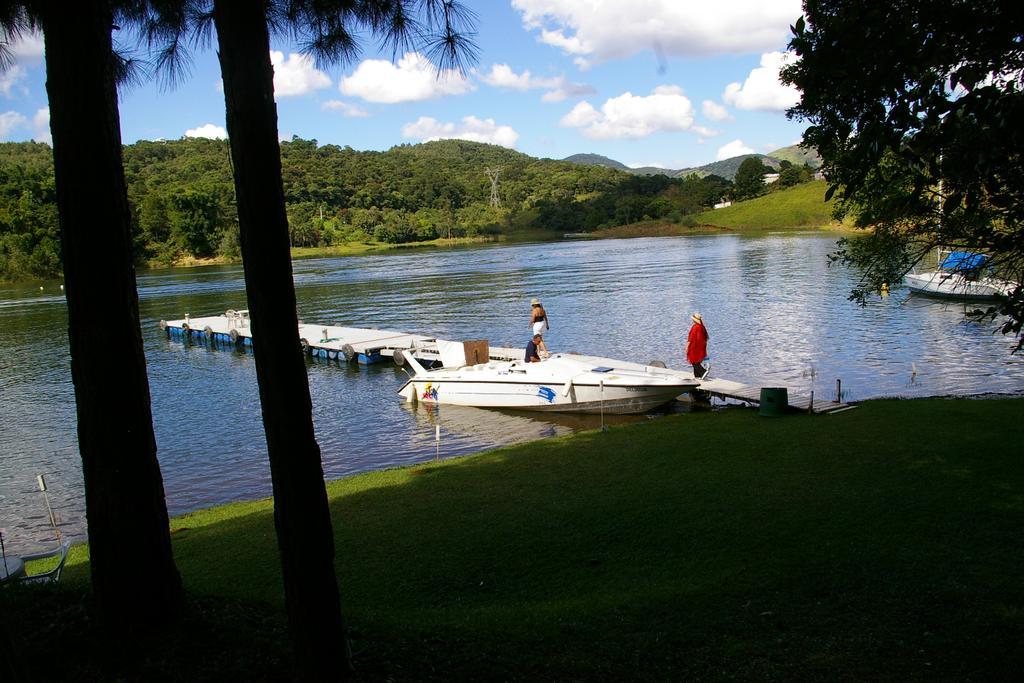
(813, 549)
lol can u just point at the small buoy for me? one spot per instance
(399, 358)
(208, 332)
(233, 334)
(348, 351)
(657, 364)
(885, 289)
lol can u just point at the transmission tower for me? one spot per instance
(493, 174)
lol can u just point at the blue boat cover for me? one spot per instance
(963, 260)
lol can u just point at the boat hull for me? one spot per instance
(956, 286)
(578, 398)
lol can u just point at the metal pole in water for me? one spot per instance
(810, 404)
(53, 520)
(839, 390)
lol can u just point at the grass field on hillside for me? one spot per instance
(882, 543)
(801, 206)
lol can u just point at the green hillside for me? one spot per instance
(802, 206)
(339, 199)
(727, 168)
(596, 160)
(797, 155)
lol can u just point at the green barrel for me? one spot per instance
(774, 401)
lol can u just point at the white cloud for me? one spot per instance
(426, 128)
(9, 122)
(704, 132)
(296, 75)
(413, 79)
(28, 49)
(714, 111)
(207, 131)
(344, 108)
(732, 149)
(502, 76)
(762, 90)
(41, 124)
(558, 87)
(632, 116)
(10, 80)
(599, 30)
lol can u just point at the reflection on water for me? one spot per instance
(777, 314)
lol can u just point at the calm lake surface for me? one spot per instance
(777, 315)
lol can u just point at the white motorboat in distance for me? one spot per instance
(560, 383)
(960, 275)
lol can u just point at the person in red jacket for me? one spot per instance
(697, 346)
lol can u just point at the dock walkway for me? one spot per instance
(368, 346)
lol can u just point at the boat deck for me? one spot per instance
(369, 345)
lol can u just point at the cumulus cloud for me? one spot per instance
(558, 87)
(632, 116)
(344, 108)
(714, 111)
(426, 128)
(28, 49)
(296, 75)
(413, 79)
(207, 131)
(10, 81)
(41, 126)
(596, 30)
(762, 90)
(732, 149)
(9, 122)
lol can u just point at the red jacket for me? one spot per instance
(697, 344)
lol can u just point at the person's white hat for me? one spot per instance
(696, 318)
(535, 302)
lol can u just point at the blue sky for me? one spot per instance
(671, 83)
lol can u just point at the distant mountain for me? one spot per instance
(597, 160)
(726, 168)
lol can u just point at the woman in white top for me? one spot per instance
(539, 323)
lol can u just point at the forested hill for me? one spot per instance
(182, 197)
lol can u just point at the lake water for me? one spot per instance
(777, 315)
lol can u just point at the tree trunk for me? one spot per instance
(133, 571)
(301, 514)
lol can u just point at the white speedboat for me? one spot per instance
(560, 383)
(960, 275)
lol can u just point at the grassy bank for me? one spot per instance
(883, 543)
(801, 206)
(347, 249)
(655, 229)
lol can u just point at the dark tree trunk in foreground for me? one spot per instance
(301, 514)
(133, 573)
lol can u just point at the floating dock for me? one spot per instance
(368, 346)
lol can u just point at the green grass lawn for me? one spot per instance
(800, 206)
(882, 543)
